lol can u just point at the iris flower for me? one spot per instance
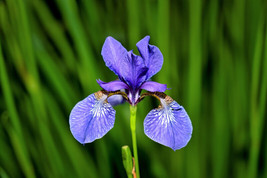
(93, 117)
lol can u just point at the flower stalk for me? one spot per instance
(134, 142)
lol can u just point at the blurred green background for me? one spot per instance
(215, 62)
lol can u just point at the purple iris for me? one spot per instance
(93, 117)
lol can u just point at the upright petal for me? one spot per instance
(154, 86)
(91, 118)
(133, 70)
(152, 56)
(113, 85)
(169, 125)
(113, 54)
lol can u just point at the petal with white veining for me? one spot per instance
(91, 118)
(169, 125)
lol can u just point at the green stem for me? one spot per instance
(133, 130)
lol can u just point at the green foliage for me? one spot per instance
(127, 160)
(215, 61)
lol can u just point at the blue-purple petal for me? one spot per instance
(91, 118)
(152, 56)
(113, 85)
(115, 100)
(153, 86)
(113, 54)
(133, 70)
(169, 125)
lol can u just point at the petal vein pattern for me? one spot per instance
(169, 125)
(91, 118)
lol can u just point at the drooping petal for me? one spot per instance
(133, 70)
(113, 54)
(115, 100)
(152, 56)
(91, 118)
(113, 85)
(169, 125)
(153, 86)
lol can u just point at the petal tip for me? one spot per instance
(113, 54)
(147, 38)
